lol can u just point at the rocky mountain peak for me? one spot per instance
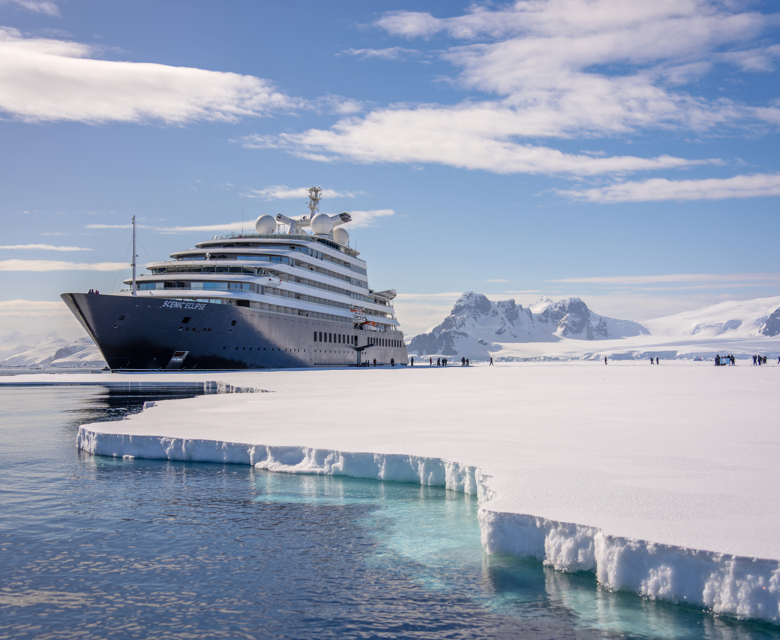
(476, 326)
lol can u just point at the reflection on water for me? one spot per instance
(99, 547)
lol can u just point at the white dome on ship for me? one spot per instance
(265, 224)
(321, 224)
(341, 236)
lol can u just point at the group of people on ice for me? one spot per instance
(759, 360)
(442, 362)
(724, 360)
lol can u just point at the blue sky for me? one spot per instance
(624, 152)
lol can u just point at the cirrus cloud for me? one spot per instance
(42, 247)
(58, 265)
(660, 189)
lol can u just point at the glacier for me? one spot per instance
(662, 481)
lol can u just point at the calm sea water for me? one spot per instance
(94, 547)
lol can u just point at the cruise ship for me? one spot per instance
(293, 294)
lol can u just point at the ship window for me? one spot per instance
(320, 336)
(315, 336)
(232, 324)
(121, 317)
(184, 321)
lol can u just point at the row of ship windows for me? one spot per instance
(330, 303)
(229, 286)
(340, 338)
(272, 308)
(216, 286)
(301, 249)
(252, 271)
(246, 286)
(327, 287)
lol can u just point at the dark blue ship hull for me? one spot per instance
(146, 333)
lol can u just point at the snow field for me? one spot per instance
(660, 480)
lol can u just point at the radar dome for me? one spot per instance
(341, 236)
(265, 224)
(321, 224)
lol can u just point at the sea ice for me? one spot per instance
(661, 480)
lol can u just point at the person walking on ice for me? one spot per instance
(605, 359)
(491, 361)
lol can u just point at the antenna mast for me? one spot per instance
(134, 257)
(315, 195)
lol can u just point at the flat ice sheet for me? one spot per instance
(685, 454)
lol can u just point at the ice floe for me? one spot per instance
(660, 480)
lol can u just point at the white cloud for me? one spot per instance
(57, 265)
(471, 137)
(497, 280)
(32, 307)
(659, 189)
(391, 53)
(282, 192)
(335, 104)
(116, 226)
(763, 278)
(558, 69)
(42, 247)
(247, 225)
(37, 6)
(48, 80)
(361, 219)
(39, 316)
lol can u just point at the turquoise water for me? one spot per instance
(101, 548)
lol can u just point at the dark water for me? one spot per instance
(100, 548)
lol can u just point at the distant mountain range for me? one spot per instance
(476, 324)
(49, 350)
(478, 329)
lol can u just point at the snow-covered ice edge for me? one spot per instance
(725, 584)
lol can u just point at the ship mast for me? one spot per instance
(315, 195)
(134, 257)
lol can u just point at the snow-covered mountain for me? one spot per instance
(732, 319)
(16, 342)
(53, 351)
(566, 330)
(477, 327)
